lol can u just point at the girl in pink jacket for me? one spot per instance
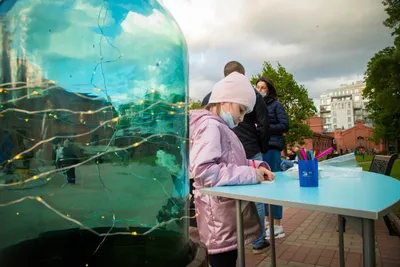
(217, 158)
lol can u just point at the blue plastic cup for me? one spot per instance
(308, 173)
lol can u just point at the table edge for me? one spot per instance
(336, 210)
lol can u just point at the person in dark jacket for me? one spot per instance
(279, 125)
(253, 130)
(69, 159)
(253, 134)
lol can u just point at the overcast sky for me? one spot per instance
(324, 43)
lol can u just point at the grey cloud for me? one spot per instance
(335, 38)
(348, 33)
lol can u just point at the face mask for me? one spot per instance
(227, 117)
(263, 94)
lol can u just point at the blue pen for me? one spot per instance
(312, 154)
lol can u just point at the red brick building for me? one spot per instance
(319, 140)
(356, 137)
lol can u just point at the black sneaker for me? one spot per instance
(264, 248)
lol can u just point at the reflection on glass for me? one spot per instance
(93, 131)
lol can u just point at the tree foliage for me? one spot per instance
(392, 8)
(383, 81)
(195, 105)
(294, 98)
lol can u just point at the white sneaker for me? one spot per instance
(278, 231)
(266, 225)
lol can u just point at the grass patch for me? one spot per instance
(150, 160)
(395, 173)
(366, 158)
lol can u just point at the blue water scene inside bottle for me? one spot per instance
(93, 134)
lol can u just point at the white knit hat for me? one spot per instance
(234, 88)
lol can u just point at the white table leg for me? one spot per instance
(368, 235)
(366, 229)
(240, 233)
(272, 235)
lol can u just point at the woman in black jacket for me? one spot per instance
(279, 125)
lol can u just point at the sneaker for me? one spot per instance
(278, 231)
(264, 248)
(266, 225)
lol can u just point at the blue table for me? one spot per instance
(361, 199)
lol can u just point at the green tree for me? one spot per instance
(382, 89)
(195, 105)
(392, 8)
(383, 81)
(294, 98)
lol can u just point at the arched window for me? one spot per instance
(360, 140)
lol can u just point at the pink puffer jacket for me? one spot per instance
(217, 158)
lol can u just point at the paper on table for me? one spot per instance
(268, 182)
(340, 173)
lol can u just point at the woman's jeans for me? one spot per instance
(261, 213)
(273, 158)
(286, 165)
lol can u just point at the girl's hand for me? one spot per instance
(267, 175)
(260, 176)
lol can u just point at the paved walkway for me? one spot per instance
(312, 241)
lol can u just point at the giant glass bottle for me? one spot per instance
(93, 134)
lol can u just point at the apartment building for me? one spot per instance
(343, 107)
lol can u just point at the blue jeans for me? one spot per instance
(261, 213)
(273, 158)
(286, 164)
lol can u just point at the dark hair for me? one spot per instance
(270, 84)
(233, 66)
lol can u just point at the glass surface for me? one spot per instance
(92, 92)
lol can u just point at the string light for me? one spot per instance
(86, 161)
(54, 110)
(141, 101)
(93, 130)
